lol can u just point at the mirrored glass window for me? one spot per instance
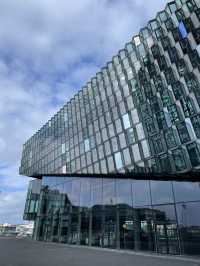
(118, 160)
(126, 121)
(140, 131)
(87, 145)
(136, 153)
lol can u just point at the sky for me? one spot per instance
(48, 50)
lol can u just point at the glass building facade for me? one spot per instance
(156, 216)
(140, 114)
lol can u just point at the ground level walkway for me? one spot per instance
(23, 252)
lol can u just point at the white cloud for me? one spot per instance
(11, 206)
(48, 49)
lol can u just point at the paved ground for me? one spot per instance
(21, 252)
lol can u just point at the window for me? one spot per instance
(172, 7)
(111, 164)
(150, 41)
(150, 126)
(154, 24)
(126, 121)
(111, 130)
(157, 144)
(107, 148)
(193, 151)
(104, 134)
(126, 63)
(178, 90)
(162, 123)
(129, 47)
(196, 125)
(170, 138)
(173, 113)
(87, 145)
(129, 101)
(134, 116)
(187, 106)
(126, 90)
(196, 33)
(176, 35)
(182, 30)
(169, 24)
(191, 82)
(166, 98)
(183, 132)
(194, 57)
(118, 160)
(136, 153)
(118, 126)
(145, 148)
(182, 68)
(191, 6)
(133, 57)
(142, 50)
(137, 40)
(178, 156)
(64, 169)
(133, 84)
(180, 15)
(185, 45)
(122, 140)
(189, 26)
(166, 43)
(103, 166)
(140, 131)
(173, 55)
(130, 136)
(138, 97)
(163, 16)
(114, 144)
(127, 157)
(159, 33)
(145, 110)
(162, 62)
(164, 162)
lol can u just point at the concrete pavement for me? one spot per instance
(24, 252)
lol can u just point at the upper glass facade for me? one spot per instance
(140, 113)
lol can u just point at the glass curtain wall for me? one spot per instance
(159, 216)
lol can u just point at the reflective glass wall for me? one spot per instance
(140, 113)
(32, 199)
(158, 216)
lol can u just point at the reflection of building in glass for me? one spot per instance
(139, 115)
(160, 216)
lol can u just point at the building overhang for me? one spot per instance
(189, 176)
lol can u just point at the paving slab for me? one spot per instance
(26, 252)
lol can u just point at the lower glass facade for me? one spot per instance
(155, 216)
